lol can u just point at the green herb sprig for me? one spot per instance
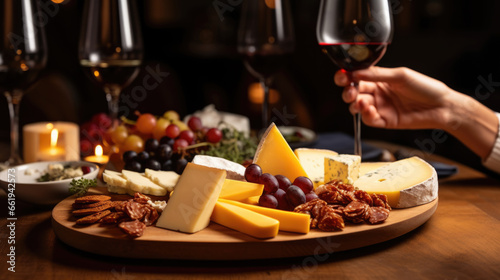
(235, 146)
(81, 186)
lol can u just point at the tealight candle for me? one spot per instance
(51, 141)
(98, 158)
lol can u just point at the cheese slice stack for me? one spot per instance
(239, 190)
(165, 179)
(275, 156)
(191, 204)
(313, 161)
(407, 183)
(244, 220)
(137, 182)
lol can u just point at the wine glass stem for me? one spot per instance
(112, 97)
(13, 100)
(265, 103)
(357, 125)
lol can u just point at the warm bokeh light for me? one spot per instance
(98, 150)
(256, 94)
(58, 1)
(96, 73)
(49, 126)
(54, 134)
(271, 4)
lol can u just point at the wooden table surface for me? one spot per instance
(460, 241)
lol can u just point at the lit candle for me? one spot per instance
(53, 152)
(98, 158)
(38, 141)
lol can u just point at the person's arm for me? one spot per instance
(405, 99)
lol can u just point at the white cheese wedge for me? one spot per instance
(165, 179)
(191, 204)
(235, 171)
(342, 167)
(139, 183)
(313, 162)
(407, 183)
(114, 178)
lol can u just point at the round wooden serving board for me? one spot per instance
(217, 242)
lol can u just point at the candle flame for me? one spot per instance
(54, 134)
(98, 150)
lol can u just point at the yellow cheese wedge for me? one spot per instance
(191, 204)
(244, 220)
(289, 221)
(239, 190)
(137, 182)
(366, 167)
(342, 167)
(275, 156)
(407, 183)
(313, 161)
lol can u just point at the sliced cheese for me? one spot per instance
(342, 167)
(165, 179)
(408, 182)
(289, 221)
(191, 204)
(275, 156)
(114, 178)
(239, 190)
(120, 190)
(234, 171)
(244, 220)
(253, 200)
(137, 182)
(313, 161)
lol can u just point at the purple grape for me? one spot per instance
(252, 173)
(310, 196)
(304, 183)
(283, 203)
(270, 183)
(268, 200)
(283, 182)
(295, 196)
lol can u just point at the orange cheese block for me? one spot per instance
(239, 190)
(254, 200)
(289, 221)
(275, 156)
(244, 220)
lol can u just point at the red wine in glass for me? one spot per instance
(354, 56)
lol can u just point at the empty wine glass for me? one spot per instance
(23, 54)
(111, 47)
(355, 35)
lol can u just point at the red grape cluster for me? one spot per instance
(171, 152)
(279, 191)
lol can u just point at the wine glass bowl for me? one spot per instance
(265, 40)
(23, 54)
(354, 35)
(110, 48)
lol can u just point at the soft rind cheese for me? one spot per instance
(275, 156)
(234, 171)
(407, 183)
(244, 220)
(313, 162)
(165, 179)
(289, 221)
(191, 204)
(239, 190)
(137, 182)
(342, 167)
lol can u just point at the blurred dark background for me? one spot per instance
(457, 42)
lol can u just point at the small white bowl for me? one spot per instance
(29, 190)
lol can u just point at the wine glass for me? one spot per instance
(265, 39)
(110, 48)
(355, 35)
(23, 54)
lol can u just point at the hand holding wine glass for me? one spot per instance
(110, 47)
(22, 55)
(265, 39)
(355, 35)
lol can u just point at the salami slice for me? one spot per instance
(133, 228)
(135, 210)
(377, 215)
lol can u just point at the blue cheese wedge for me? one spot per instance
(344, 168)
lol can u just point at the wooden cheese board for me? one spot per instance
(217, 242)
